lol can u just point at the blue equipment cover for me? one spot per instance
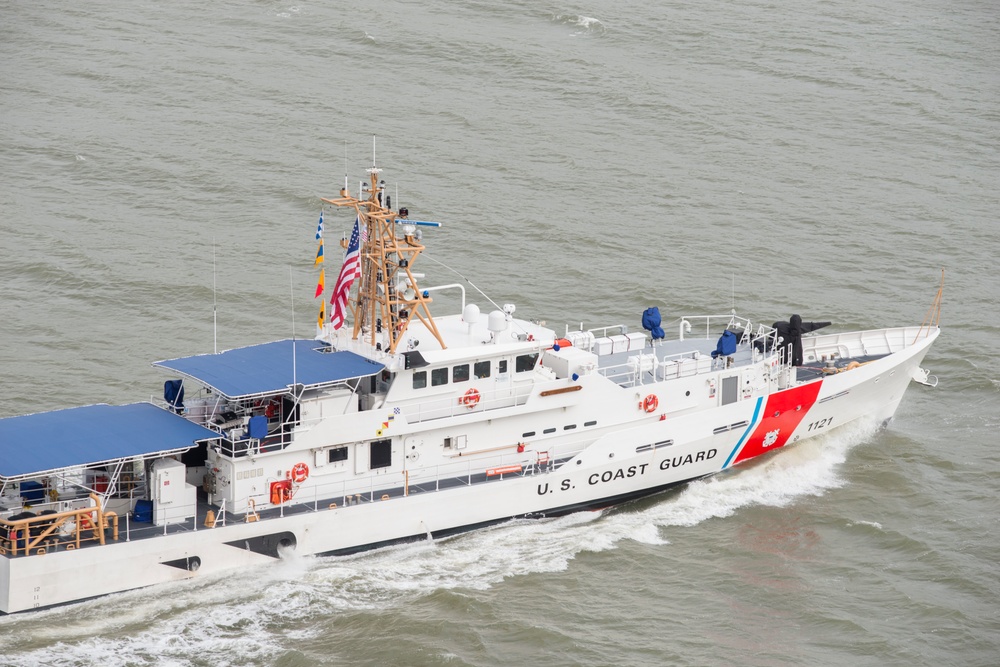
(257, 428)
(173, 394)
(727, 344)
(143, 511)
(61, 439)
(651, 322)
(267, 368)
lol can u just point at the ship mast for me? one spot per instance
(387, 296)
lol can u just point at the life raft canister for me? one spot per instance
(470, 399)
(300, 473)
(561, 343)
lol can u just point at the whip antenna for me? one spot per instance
(215, 305)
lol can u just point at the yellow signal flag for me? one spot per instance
(321, 285)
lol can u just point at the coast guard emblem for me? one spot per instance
(771, 437)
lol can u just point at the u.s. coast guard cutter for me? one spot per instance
(402, 425)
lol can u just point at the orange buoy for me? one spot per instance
(470, 399)
(300, 473)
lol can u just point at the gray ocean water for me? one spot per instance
(588, 159)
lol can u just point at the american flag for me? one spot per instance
(348, 272)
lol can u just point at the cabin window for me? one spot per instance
(439, 376)
(420, 379)
(549, 430)
(460, 373)
(527, 434)
(590, 423)
(481, 369)
(569, 427)
(502, 366)
(525, 362)
(381, 454)
(336, 454)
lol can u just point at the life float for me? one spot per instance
(650, 403)
(281, 491)
(470, 399)
(300, 473)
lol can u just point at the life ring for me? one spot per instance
(470, 399)
(300, 473)
(650, 403)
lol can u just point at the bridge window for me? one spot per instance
(481, 369)
(420, 379)
(460, 373)
(525, 362)
(439, 376)
(337, 454)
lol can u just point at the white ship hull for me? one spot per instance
(629, 454)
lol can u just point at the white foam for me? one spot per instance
(588, 23)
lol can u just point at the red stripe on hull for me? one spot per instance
(782, 415)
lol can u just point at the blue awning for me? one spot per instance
(50, 441)
(267, 368)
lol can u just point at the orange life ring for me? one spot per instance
(470, 399)
(650, 403)
(300, 473)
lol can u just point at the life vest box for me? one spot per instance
(703, 362)
(619, 343)
(602, 346)
(636, 340)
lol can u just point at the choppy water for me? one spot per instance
(588, 160)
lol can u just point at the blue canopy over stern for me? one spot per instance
(51, 441)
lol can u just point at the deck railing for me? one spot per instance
(73, 529)
(70, 528)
